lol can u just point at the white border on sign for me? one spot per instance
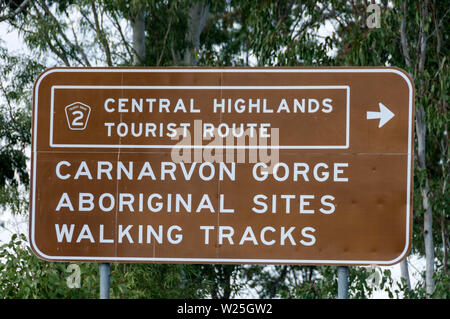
(177, 146)
(228, 260)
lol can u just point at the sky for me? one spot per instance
(13, 40)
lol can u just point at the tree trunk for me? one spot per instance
(404, 272)
(198, 14)
(428, 213)
(404, 264)
(428, 236)
(138, 26)
(421, 139)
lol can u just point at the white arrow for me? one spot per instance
(385, 115)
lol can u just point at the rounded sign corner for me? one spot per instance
(404, 75)
(36, 251)
(44, 74)
(401, 256)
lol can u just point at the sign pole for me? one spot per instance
(342, 282)
(105, 276)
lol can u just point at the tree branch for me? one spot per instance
(274, 284)
(101, 35)
(165, 41)
(8, 102)
(18, 10)
(83, 54)
(124, 40)
(423, 37)
(403, 37)
(62, 33)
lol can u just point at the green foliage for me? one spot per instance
(223, 280)
(304, 282)
(23, 275)
(157, 281)
(17, 75)
(236, 33)
(317, 282)
(442, 290)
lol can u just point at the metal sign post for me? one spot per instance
(105, 276)
(342, 282)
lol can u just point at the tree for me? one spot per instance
(411, 38)
(9, 9)
(431, 108)
(229, 33)
(17, 76)
(25, 276)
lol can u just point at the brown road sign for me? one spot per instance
(209, 165)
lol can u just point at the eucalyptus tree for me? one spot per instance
(410, 35)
